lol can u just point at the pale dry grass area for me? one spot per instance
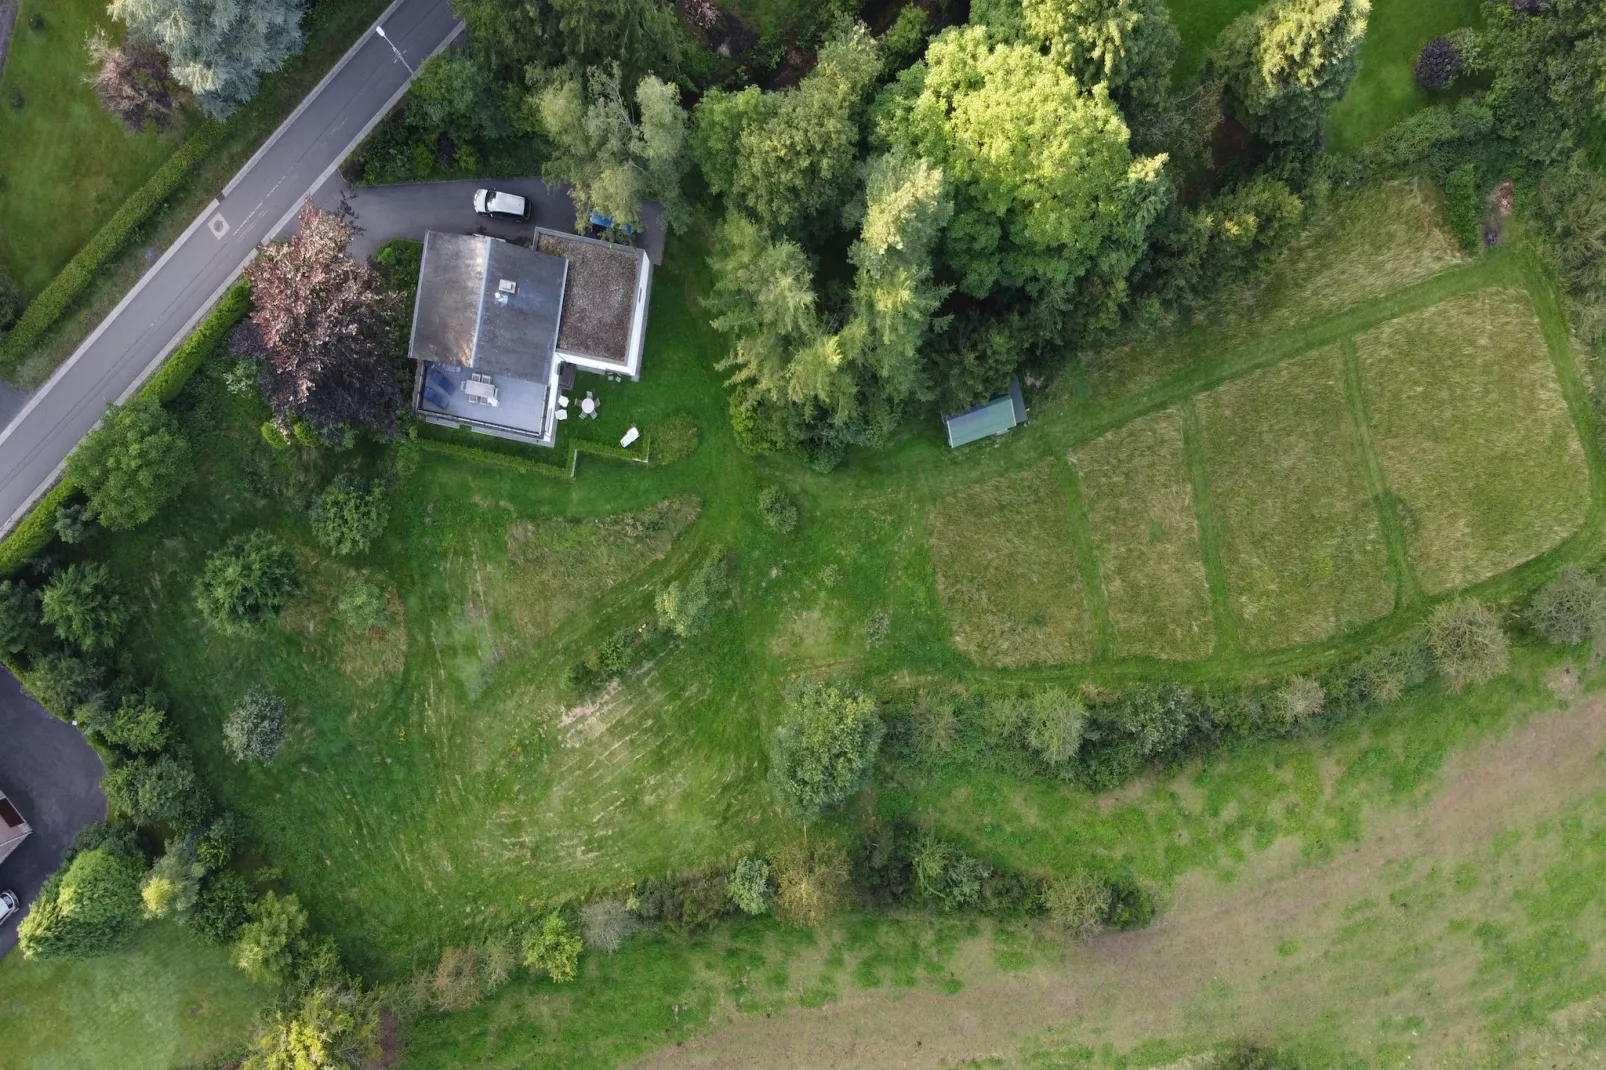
(1301, 542)
(1379, 240)
(1473, 435)
(1007, 573)
(1371, 948)
(1134, 482)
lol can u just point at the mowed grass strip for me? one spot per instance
(1473, 435)
(1147, 539)
(1301, 542)
(1007, 573)
(1377, 240)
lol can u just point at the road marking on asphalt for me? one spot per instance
(219, 226)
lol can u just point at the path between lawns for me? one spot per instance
(1214, 946)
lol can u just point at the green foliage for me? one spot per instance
(811, 881)
(1467, 209)
(362, 605)
(1300, 699)
(1127, 45)
(161, 790)
(255, 728)
(73, 523)
(266, 945)
(349, 514)
(787, 159)
(19, 615)
(218, 52)
(83, 608)
(34, 532)
(945, 875)
(85, 909)
(777, 511)
(685, 607)
(749, 885)
(1054, 725)
(1047, 196)
(1222, 241)
(135, 461)
(554, 949)
(61, 682)
(221, 908)
(605, 923)
(54, 301)
(613, 158)
(173, 884)
(825, 747)
(247, 583)
(1286, 63)
(905, 40)
(330, 1026)
(203, 342)
(219, 840)
(1079, 902)
(674, 439)
(1143, 724)
(140, 723)
(1468, 644)
(1570, 608)
(1549, 72)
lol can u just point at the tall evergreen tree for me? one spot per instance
(1285, 64)
(218, 49)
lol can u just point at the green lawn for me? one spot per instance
(67, 164)
(1385, 90)
(165, 1000)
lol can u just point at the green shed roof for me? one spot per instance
(993, 418)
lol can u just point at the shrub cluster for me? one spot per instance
(349, 515)
(255, 728)
(777, 511)
(685, 607)
(247, 583)
(1438, 64)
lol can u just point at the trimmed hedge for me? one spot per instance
(56, 298)
(35, 531)
(524, 464)
(169, 380)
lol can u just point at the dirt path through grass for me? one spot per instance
(1334, 948)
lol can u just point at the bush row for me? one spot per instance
(56, 298)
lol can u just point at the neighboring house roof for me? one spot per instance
(13, 827)
(994, 418)
(489, 305)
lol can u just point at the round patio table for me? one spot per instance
(588, 406)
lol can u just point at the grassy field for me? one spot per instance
(1147, 539)
(165, 1000)
(1499, 477)
(68, 164)
(1007, 571)
(1302, 546)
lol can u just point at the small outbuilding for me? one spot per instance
(993, 418)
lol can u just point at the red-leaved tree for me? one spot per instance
(321, 329)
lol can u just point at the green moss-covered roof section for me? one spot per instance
(993, 418)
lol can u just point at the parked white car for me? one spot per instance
(9, 903)
(498, 205)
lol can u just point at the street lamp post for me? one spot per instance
(380, 30)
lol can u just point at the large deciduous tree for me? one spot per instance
(329, 1027)
(321, 329)
(642, 36)
(1549, 63)
(825, 748)
(790, 158)
(1285, 64)
(217, 49)
(131, 464)
(1048, 198)
(615, 157)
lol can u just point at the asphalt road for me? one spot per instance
(53, 776)
(386, 212)
(192, 275)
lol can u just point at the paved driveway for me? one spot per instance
(386, 212)
(179, 289)
(53, 776)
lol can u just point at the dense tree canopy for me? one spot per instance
(825, 747)
(642, 36)
(217, 49)
(1047, 193)
(1286, 63)
(320, 325)
(134, 462)
(85, 908)
(1549, 64)
(1128, 45)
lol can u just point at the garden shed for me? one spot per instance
(993, 418)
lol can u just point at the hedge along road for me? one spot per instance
(257, 204)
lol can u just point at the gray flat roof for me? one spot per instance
(468, 315)
(993, 418)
